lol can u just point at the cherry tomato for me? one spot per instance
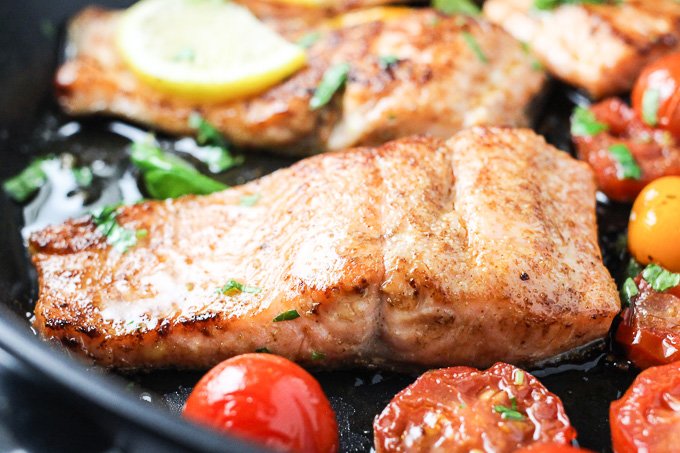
(654, 227)
(267, 399)
(460, 409)
(655, 152)
(647, 418)
(551, 448)
(660, 83)
(648, 330)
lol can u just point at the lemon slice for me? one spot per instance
(363, 16)
(204, 50)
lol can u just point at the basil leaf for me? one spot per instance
(215, 152)
(147, 155)
(333, 79)
(626, 167)
(233, 287)
(474, 46)
(456, 7)
(206, 133)
(659, 278)
(309, 39)
(287, 316)
(22, 186)
(650, 106)
(628, 291)
(585, 124)
(117, 236)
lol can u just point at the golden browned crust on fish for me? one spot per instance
(601, 48)
(419, 252)
(439, 85)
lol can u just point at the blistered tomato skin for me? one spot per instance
(552, 448)
(663, 78)
(461, 409)
(266, 399)
(647, 418)
(654, 227)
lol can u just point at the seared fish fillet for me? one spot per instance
(601, 48)
(419, 252)
(439, 85)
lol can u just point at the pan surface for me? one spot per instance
(31, 125)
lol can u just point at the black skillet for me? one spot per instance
(104, 412)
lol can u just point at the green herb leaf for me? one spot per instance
(333, 79)
(456, 7)
(318, 355)
(628, 291)
(626, 167)
(385, 61)
(83, 176)
(250, 200)
(633, 269)
(650, 106)
(585, 124)
(287, 316)
(552, 4)
(168, 176)
(474, 46)
(263, 350)
(309, 39)
(117, 236)
(215, 152)
(233, 287)
(659, 278)
(508, 413)
(185, 55)
(519, 377)
(22, 186)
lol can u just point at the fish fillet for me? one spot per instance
(421, 252)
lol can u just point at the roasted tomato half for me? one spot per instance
(625, 153)
(650, 326)
(647, 418)
(656, 95)
(462, 409)
(551, 448)
(266, 399)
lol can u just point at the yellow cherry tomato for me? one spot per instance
(654, 227)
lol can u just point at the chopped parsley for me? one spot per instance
(633, 269)
(628, 291)
(552, 4)
(287, 316)
(233, 287)
(83, 176)
(509, 413)
(250, 200)
(22, 186)
(318, 355)
(387, 61)
(585, 124)
(659, 278)
(263, 350)
(117, 236)
(626, 167)
(333, 79)
(168, 176)
(456, 7)
(214, 151)
(474, 46)
(309, 39)
(650, 106)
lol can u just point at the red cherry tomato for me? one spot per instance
(660, 83)
(655, 151)
(551, 448)
(647, 418)
(267, 399)
(461, 409)
(649, 326)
